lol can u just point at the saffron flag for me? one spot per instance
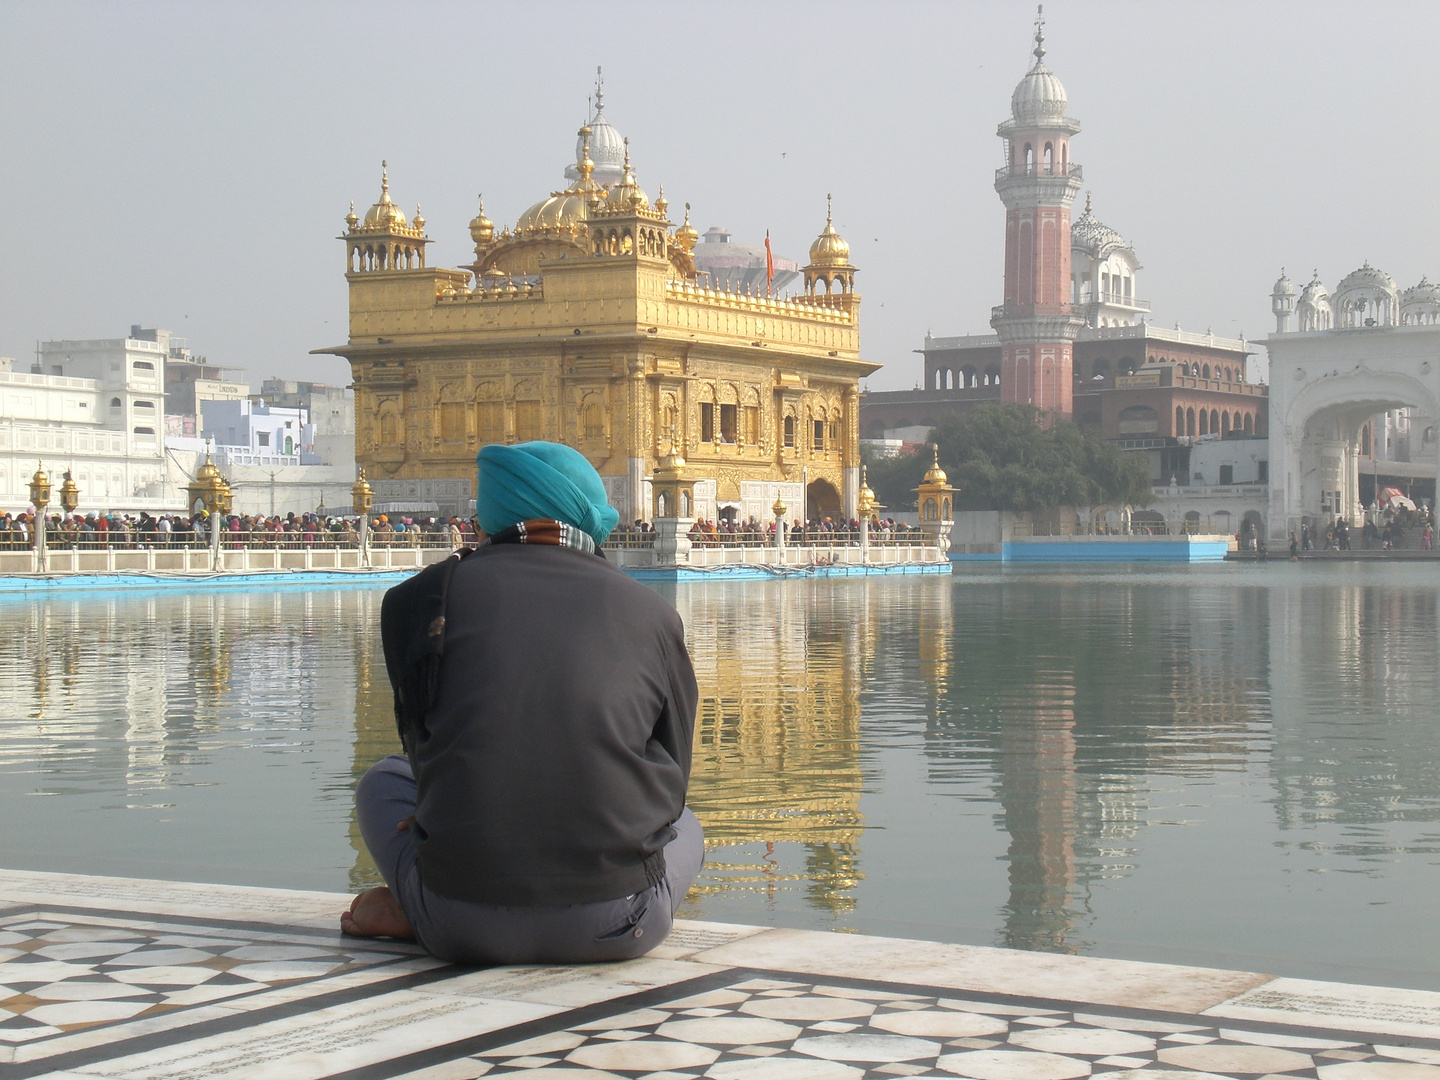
(769, 263)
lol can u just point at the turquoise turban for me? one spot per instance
(541, 480)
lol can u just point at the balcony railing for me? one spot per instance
(1020, 169)
(1118, 300)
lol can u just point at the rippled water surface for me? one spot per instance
(1224, 765)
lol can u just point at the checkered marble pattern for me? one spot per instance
(62, 973)
(121, 979)
(787, 1030)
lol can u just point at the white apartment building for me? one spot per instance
(94, 408)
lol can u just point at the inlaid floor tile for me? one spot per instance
(643, 1055)
(1013, 1065)
(1221, 1058)
(1090, 1041)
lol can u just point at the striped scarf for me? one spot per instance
(545, 531)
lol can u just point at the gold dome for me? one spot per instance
(482, 229)
(686, 235)
(661, 203)
(935, 474)
(865, 502)
(350, 219)
(627, 195)
(384, 214)
(568, 210)
(672, 465)
(829, 248)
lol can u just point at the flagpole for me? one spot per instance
(769, 266)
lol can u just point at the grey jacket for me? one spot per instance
(547, 704)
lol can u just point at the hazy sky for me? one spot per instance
(189, 165)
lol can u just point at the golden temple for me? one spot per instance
(587, 323)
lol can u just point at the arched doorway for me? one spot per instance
(822, 500)
(1317, 450)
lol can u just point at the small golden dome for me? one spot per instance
(482, 229)
(350, 219)
(865, 502)
(935, 474)
(671, 467)
(568, 210)
(660, 202)
(829, 249)
(627, 195)
(686, 235)
(418, 221)
(384, 214)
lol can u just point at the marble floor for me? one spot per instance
(154, 980)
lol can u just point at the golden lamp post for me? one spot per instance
(69, 494)
(778, 508)
(209, 492)
(362, 499)
(40, 497)
(935, 499)
(865, 506)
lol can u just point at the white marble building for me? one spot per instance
(1350, 361)
(95, 408)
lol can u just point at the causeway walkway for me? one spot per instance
(158, 980)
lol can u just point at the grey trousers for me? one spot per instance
(490, 934)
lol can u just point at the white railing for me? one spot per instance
(198, 560)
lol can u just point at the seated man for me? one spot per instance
(546, 705)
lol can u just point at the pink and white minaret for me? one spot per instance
(1038, 184)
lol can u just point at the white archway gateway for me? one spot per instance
(1324, 386)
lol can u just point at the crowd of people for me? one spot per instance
(728, 532)
(1389, 533)
(307, 530)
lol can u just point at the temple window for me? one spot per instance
(490, 421)
(790, 432)
(728, 428)
(707, 422)
(752, 425)
(529, 424)
(452, 421)
(818, 441)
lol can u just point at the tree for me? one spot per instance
(1000, 458)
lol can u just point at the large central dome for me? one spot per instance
(607, 145)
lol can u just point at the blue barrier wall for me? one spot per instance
(1106, 549)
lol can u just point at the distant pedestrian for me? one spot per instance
(1294, 545)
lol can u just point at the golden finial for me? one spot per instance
(1087, 202)
(384, 177)
(585, 166)
(686, 235)
(660, 203)
(418, 221)
(350, 218)
(1039, 32)
(827, 209)
(627, 153)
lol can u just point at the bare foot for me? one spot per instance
(376, 913)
